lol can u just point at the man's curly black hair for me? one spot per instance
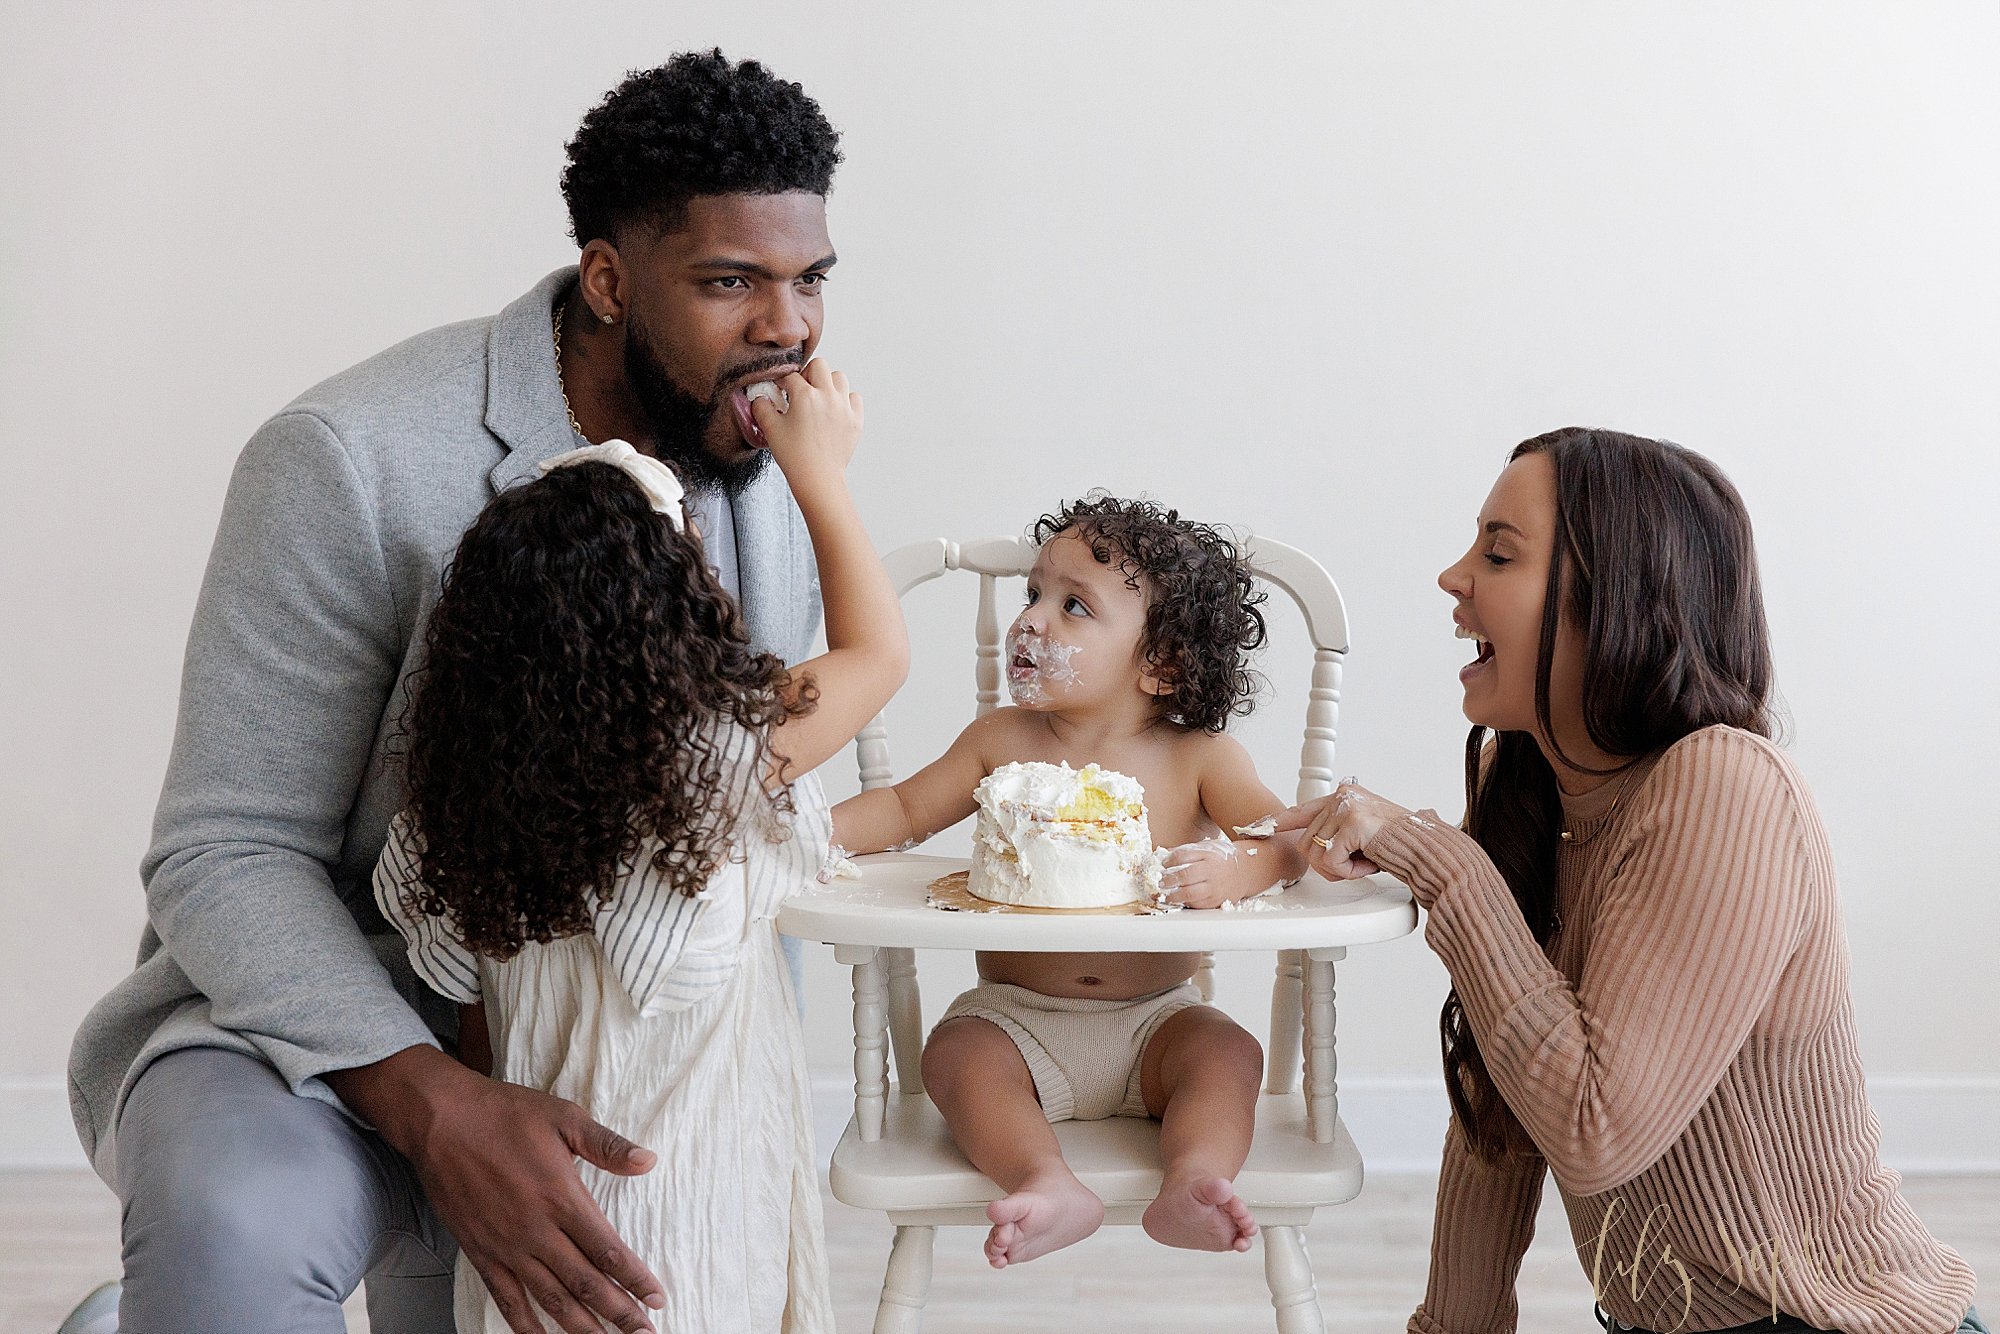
(582, 672)
(697, 125)
(1201, 601)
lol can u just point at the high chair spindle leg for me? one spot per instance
(1322, 1100)
(906, 1018)
(907, 1283)
(871, 1037)
(1289, 1274)
(1281, 1057)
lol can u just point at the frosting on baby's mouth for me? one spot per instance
(1033, 662)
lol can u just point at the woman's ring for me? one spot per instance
(1325, 843)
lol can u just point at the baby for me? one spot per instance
(1129, 655)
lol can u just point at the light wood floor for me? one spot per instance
(59, 1237)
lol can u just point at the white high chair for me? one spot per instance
(898, 1156)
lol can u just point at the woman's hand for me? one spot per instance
(1339, 827)
(814, 436)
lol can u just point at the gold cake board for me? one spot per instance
(953, 894)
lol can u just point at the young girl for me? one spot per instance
(1128, 655)
(608, 798)
(1643, 931)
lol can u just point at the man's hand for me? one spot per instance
(497, 1162)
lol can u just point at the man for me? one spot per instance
(267, 1091)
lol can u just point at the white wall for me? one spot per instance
(1310, 271)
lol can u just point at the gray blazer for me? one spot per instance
(263, 936)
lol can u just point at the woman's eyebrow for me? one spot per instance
(1501, 526)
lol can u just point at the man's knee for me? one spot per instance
(215, 1226)
(243, 1198)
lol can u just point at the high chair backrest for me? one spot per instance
(1281, 567)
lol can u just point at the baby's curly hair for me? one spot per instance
(697, 125)
(1201, 601)
(582, 673)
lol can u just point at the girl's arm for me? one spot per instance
(475, 1042)
(1224, 869)
(934, 798)
(868, 650)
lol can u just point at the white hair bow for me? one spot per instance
(663, 489)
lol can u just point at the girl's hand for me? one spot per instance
(1340, 826)
(813, 438)
(1209, 873)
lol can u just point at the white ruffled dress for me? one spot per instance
(673, 1022)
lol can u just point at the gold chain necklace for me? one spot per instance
(555, 324)
(1624, 781)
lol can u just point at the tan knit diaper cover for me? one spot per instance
(1083, 1053)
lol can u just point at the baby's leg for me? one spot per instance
(1200, 1075)
(976, 1076)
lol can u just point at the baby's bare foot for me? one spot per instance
(1045, 1214)
(1200, 1215)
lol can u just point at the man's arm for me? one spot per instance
(292, 655)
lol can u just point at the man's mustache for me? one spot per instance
(795, 361)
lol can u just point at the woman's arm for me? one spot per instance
(868, 650)
(1702, 909)
(1484, 1220)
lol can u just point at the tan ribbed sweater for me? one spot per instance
(1683, 1057)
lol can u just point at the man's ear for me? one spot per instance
(600, 274)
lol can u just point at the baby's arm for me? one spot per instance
(936, 797)
(1221, 870)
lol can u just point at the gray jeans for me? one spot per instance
(249, 1208)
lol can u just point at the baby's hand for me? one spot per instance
(814, 435)
(1207, 874)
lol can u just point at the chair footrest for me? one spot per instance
(915, 1165)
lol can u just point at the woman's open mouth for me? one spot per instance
(1481, 659)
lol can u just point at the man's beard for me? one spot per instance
(680, 422)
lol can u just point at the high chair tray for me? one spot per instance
(887, 907)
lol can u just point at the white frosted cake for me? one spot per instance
(1049, 836)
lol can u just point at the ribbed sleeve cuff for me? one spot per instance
(1472, 923)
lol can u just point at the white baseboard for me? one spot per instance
(1931, 1124)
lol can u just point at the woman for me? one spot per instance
(1642, 928)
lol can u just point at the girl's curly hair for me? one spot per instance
(582, 673)
(1201, 601)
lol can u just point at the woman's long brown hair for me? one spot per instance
(1655, 566)
(583, 681)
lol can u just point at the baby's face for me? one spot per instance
(1076, 643)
